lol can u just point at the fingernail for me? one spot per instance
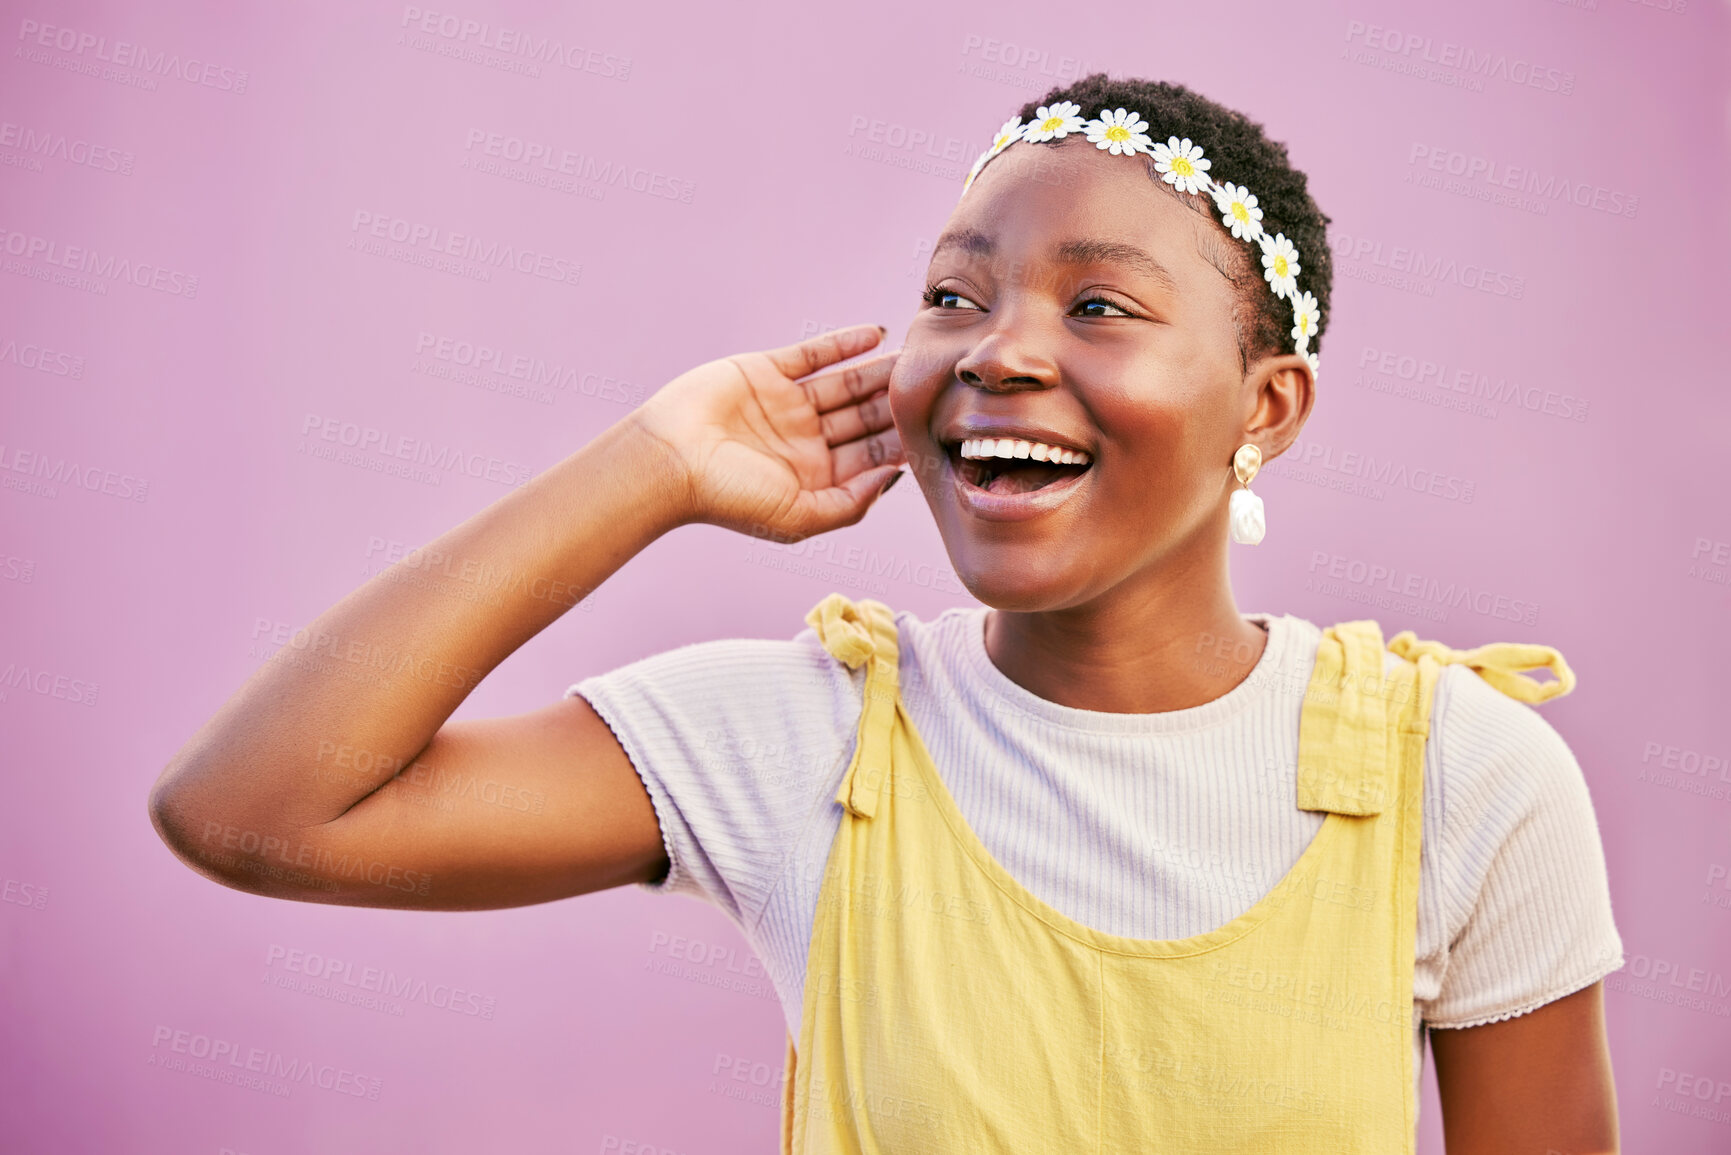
(883, 332)
(894, 477)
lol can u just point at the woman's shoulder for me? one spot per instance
(1500, 758)
(735, 739)
(1452, 675)
(796, 663)
(727, 686)
(1482, 738)
(1496, 766)
(936, 639)
(747, 667)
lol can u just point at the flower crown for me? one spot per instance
(1181, 165)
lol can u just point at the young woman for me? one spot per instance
(1103, 864)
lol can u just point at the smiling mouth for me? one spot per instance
(1011, 475)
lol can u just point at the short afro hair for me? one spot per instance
(1242, 154)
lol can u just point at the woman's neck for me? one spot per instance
(1167, 646)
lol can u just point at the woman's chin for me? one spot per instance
(1021, 588)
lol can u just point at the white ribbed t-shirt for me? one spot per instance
(1152, 826)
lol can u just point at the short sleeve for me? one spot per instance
(1524, 882)
(736, 742)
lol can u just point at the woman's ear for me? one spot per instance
(1280, 392)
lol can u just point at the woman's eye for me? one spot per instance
(1102, 302)
(947, 299)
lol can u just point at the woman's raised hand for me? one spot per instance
(777, 444)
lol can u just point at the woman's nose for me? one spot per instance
(1005, 359)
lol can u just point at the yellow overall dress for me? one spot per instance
(948, 1009)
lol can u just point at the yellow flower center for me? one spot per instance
(1280, 266)
(1183, 167)
(1051, 123)
(1240, 212)
(999, 143)
(1118, 132)
(1304, 323)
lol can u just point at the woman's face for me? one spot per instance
(1075, 302)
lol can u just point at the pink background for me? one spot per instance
(205, 525)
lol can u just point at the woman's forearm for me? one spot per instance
(362, 689)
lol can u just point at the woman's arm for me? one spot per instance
(333, 775)
(1536, 1083)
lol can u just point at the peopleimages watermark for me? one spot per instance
(17, 569)
(46, 472)
(380, 659)
(427, 244)
(468, 579)
(1454, 63)
(1391, 587)
(415, 450)
(617, 1145)
(46, 683)
(1674, 984)
(42, 143)
(41, 358)
(1364, 474)
(1717, 873)
(1692, 1091)
(556, 161)
(475, 39)
(899, 145)
(227, 1062)
(1471, 384)
(358, 766)
(497, 369)
(1492, 176)
(1415, 271)
(829, 560)
(89, 269)
(1674, 7)
(324, 866)
(1019, 65)
(20, 893)
(694, 961)
(747, 1081)
(342, 973)
(1710, 561)
(87, 47)
(1683, 769)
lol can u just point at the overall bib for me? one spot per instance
(948, 1009)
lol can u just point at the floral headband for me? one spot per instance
(1181, 165)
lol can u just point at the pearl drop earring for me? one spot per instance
(1248, 521)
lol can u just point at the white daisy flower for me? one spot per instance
(975, 171)
(1313, 360)
(1119, 133)
(1305, 316)
(1280, 264)
(1009, 133)
(1054, 122)
(1238, 211)
(1180, 164)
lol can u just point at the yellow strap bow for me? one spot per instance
(1498, 663)
(864, 633)
(842, 629)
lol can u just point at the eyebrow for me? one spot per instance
(1077, 252)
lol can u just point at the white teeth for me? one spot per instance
(978, 448)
